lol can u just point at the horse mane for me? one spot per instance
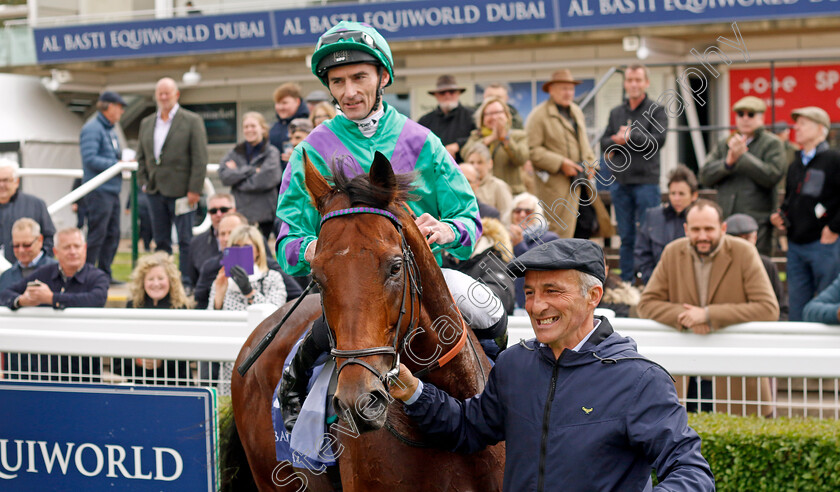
(362, 192)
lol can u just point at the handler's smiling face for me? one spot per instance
(354, 87)
(560, 315)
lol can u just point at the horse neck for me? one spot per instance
(439, 313)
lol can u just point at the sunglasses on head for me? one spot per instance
(358, 36)
(742, 113)
(215, 210)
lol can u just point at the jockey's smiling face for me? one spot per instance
(354, 87)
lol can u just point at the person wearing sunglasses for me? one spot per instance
(450, 120)
(28, 244)
(206, 245)
(355, 63)
(745, 167)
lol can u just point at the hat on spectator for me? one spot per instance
(813, 113)
(112, 97)
(582, 255)
(750, 103)
(740, 224)
(316, 97)
(446, 83)
(562, 75)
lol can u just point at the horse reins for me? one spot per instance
(412, 290)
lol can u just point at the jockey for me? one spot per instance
(354, 62)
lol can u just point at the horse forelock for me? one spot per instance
(361, 191)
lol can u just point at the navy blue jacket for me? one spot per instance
(25, 205)
(662, 225)
(823, 308)
(100, 150)
(598, 419)
(15, 274)
(87, 288)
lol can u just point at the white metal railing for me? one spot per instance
(122, 167)
(799, 361)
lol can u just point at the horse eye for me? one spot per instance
(395, 267)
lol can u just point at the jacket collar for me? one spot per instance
(720, 264)
(302, 112)
(105, 121)
(641, 105)
(570, 357)
(555, 113)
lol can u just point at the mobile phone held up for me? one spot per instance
(239, 255)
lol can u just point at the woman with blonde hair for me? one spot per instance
(155, 284)
(508, 147)
(237, 292)
(322, 112)
(252, 170)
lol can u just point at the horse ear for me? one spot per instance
(315, 183)
(381, 172)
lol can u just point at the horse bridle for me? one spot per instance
(412, 290)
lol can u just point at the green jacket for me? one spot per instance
(442, 192)
(749, 187)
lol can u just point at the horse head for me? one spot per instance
(369, 282)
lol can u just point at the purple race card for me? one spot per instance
(239, 255)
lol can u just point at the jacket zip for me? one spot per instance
(546, 415)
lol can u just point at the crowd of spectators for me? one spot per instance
(696, 265)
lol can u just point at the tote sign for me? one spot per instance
(103, 437)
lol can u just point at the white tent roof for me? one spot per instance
(31, 112)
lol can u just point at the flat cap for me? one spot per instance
(112, 97)
(813, 113)
(740, 224)
(750, 103)
(562, 254)
(317, 96)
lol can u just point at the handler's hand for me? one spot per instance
(434, 230)
(406, 386)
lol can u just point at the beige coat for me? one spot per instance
(550, 139)
(508, 157)
(496, 193)
(739, 291)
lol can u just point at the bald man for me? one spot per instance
(171, 167)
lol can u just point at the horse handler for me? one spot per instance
(578, 407)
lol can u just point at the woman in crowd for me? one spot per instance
(528, 228)
(665, 223)
(508, 147)
(241, 290)
(322, 112)
(490, 190)
(252, 170)
(155, 284)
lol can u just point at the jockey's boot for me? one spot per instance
(292, 391)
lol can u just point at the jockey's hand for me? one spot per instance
(405, 385)
(309, 254)
(434, 230)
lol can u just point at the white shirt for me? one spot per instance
(162, 130)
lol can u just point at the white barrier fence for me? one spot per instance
(803, 358)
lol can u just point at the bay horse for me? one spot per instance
(385, 301)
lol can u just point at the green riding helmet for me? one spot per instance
(347, 43)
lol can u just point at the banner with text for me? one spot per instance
(417, 19)
(793, 87)
(100, 437)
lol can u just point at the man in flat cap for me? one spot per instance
(745, 167)
(745, 227)
(707, 281)
(559, 149)
(810, 212)
(100, 149)
(578, 407)
(451, 121)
